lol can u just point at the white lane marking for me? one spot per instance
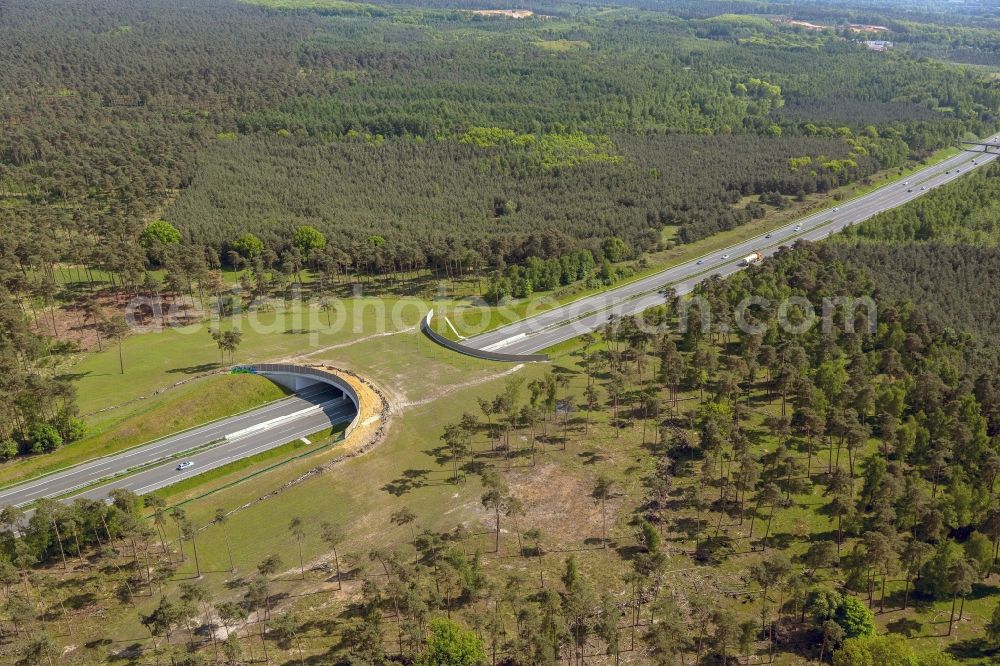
(452, 327)
(100, 466)
(505, 342)
(267, 425)
(207, 466)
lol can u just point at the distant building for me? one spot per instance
(878, 44)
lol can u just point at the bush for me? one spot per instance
(979, 551)
(823, 604)
(934, 578)
(43, 437)
(8, 449)
(70, 429)
(887, 650)
(855, 618)
(614, 249)
(450, 645)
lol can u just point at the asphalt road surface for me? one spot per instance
(588, 314)
(311, 410)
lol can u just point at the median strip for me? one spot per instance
(278, 420)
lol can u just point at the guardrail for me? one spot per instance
(484, 354)
(314, 373)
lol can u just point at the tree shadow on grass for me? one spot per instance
(970, 648)
(96, 643)
(629, 553)
(563, 370)
(206, 629)
(781, 540)
(129, 653)
(981, 591)
(905, 626)
(326, 626)
(440, 454)
(757, 437)
(591, 457)
(657, 449)
(277, 597)
(333, 655)
(689, 526)
(73, 376)
(828, 535)
(78, 601)
(235, 583)
(411, 479)
(195, 369)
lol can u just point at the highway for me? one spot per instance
(551, 327)
(212, 445)
(153, 465)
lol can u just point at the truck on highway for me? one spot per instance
(752, 259)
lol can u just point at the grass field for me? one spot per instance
(157, 360)
(175, 379)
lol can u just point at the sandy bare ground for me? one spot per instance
(70, 322)
(507, 13)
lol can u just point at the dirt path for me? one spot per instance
(400, 405)
(341, 345)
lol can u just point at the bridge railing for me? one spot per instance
(429, 331)
(970, 146)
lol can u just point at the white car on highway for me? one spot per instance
(725, 256)
(187, 464)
